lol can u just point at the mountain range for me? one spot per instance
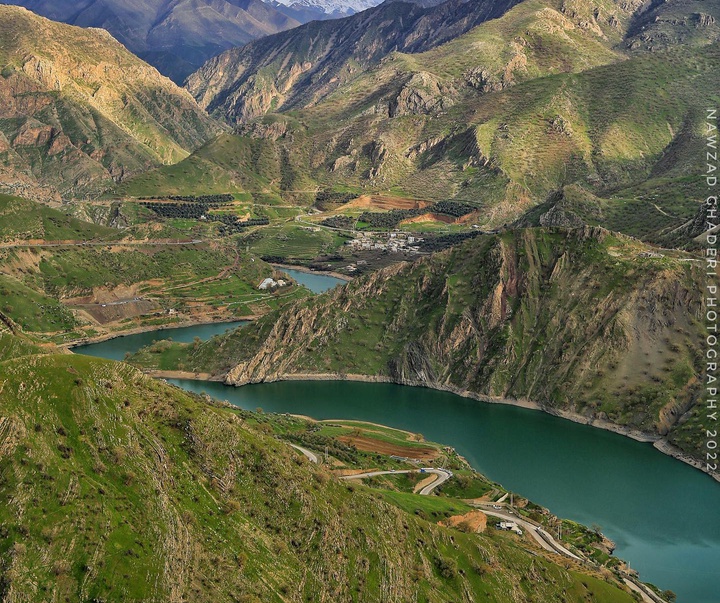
(175, 36)
(312, 10)
(580, 321)
(496, 104)
(535, 152)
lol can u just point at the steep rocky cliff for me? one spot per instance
(78, 111)
(499, 115)
(579, 321)
(301, 66)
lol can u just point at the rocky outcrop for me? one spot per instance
(423, 94)
(557, 217)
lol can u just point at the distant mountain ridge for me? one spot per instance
(299, 67)
(176, 36)
(330, 7)
(452, 102)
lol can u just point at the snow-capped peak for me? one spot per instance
(329, 7)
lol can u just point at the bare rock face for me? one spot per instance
(703, 20)
(483, 80)
(526, 315)
(300, 67)
(33, 134)
(561, 218)
(424, 94)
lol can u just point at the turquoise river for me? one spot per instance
(663, 515)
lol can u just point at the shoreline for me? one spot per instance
(306, 270)
(659, 442)
(68, 345)
(182, 375)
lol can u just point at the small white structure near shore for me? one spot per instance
(271, 283)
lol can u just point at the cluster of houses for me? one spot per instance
(394, 242)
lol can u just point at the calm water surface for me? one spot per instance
(663, 514)
(317, 283)
(115, 349)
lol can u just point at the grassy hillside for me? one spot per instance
(576, 320)
(266, 171)
(120, 488)
(176, 37)
(102, 280)
(21, 219)
(116, 288)
(80, 112)
(628, 133)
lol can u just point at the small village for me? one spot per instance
(393, 242)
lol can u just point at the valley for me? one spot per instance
(356, 301)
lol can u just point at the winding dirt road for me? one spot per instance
(442, 476)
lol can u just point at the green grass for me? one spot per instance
(382, 434)
(428, 507)
(250, 168)
(131, 479)
(22, 219)
(33, 310)
(292, 241)
(466, 485)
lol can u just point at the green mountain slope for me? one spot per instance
(466, 44)
(79, 112)
(663, 25)
(21, 219)
(116, 487)
(502, 109)
(62, 278)
(578, 321)
(629, 132)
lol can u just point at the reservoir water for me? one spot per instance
(663, 515)
(316, 282)
(115, 349)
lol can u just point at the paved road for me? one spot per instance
(311, 455)
(541, 536)
(443, 475)
(641, 591)
(550, 544)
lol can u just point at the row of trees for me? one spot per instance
(391, 219)
(204, 199)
